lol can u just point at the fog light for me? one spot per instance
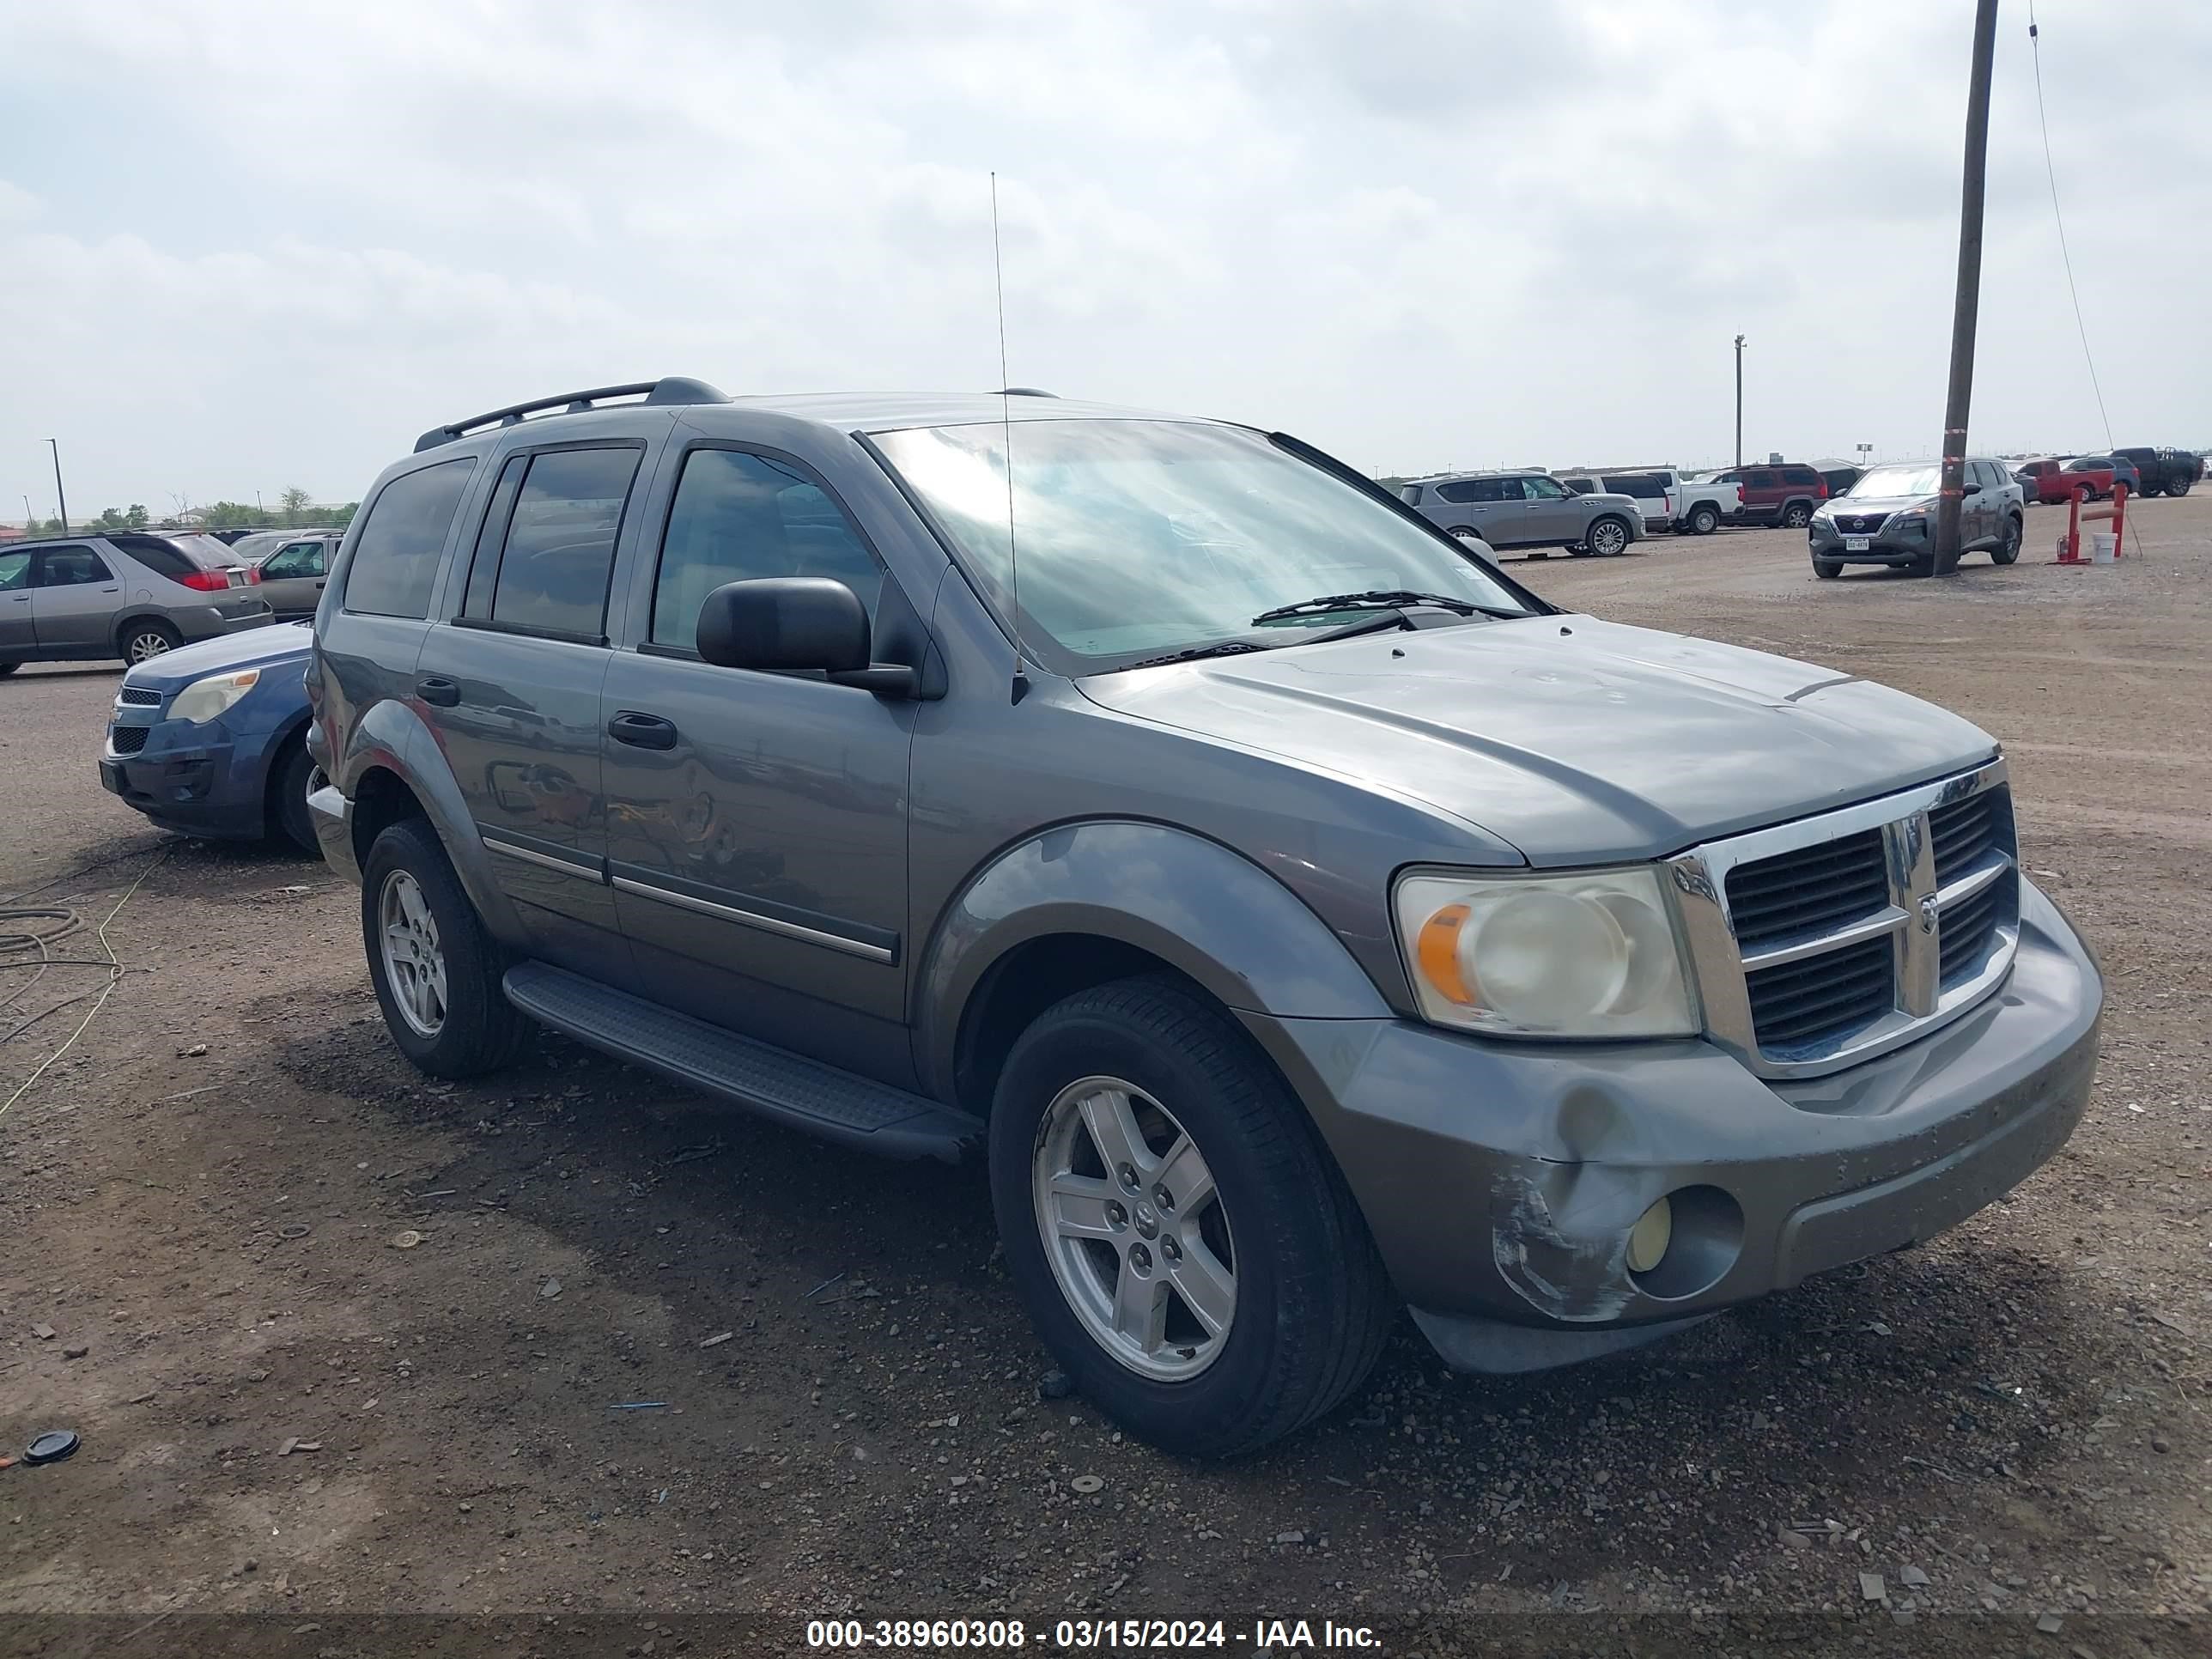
(1649, 1237)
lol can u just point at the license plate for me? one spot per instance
(1857, 544)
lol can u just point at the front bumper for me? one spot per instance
(202, 786)
(332, 814)
(1883, 546)
(1501, 1180)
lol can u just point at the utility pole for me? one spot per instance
(1739, 400)
(58, 496)
(1967, 308)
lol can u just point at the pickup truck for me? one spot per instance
(2165, 471)
(1670, 499)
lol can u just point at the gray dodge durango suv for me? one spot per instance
(1301, 918)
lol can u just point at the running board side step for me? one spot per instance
(788, 1088)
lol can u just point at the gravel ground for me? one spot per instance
(581, 1353)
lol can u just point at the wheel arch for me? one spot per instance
(393, 768)
(1082, 904)
(293, 729)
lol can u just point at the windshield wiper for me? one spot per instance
(1379, 598)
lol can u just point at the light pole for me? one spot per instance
(1966, 307)
(1739, 400)
(58, 496)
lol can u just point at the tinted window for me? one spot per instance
(1644, 486)
(561, 540)
(1468, 490)
(1410, 494)
(1800, 475)
(1580, 486)
(15, 571)
(162, 557)
(395, 559)
(484, 567)
(738, 517)
(71, 567)
(1759, 478)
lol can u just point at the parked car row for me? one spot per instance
(2054, 480)
(129, 594)
(1670, 499)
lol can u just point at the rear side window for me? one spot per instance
(1644, 486)
(395, 559)
(1759, 478)
(1800, 475)
(1478, 489)
(739, 517)
(162, 557)
(71, 567)
(560, 546)
(1410, 494)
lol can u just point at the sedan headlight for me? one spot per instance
(1588, 954)
(202, 700)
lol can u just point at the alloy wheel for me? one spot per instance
(414, 966)
(146, 646)
(1607, 538)
(1135, 1229)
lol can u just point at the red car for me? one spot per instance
(2052, 481)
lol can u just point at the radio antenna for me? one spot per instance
(1006, 422)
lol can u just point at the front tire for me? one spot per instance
(1704, 520)
(1184, 1244)
(1796, 516)
(1607, 538)
(1827, 569)
(288, 817)
(435, 970)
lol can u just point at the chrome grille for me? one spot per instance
(1861, 524)
(1809, 891)
(140, 695)
(1827, 941)
(127, 740)
(1816, 1000)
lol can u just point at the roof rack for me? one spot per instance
(1024, 392)
(671, 389)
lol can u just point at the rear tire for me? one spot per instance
(2178, 487)
(1796, 516)
(1308, 1303)
(1827, 569)
(8, 668)
(2008, 549)
(1704, 520)
(435, 970)
(146, 639)
(288, 816)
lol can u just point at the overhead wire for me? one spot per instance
(2035, 49)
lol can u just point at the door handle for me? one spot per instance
(642, 731)
(434, 689)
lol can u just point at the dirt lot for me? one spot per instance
(202, 1200)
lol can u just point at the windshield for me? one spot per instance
(1916, 479)
(1137, 538)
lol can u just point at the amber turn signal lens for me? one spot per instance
(1437, 950)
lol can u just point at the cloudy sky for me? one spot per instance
(247, 245)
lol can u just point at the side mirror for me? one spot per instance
(782, 624)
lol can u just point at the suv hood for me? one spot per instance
(1857, 505)
(254, 648)
(1576, 740)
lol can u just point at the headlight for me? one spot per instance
(1593, 954)
(202, 700)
